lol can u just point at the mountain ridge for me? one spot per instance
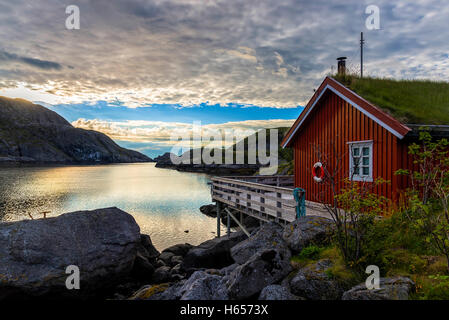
(31, 133)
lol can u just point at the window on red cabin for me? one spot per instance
(361, 160)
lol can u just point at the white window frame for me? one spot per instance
(361, 145)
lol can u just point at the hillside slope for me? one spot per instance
(30, 133)
(285, 157)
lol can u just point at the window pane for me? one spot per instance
(365, 171)
(356, 151)
(365, 151)
(365, 161)
(356, 161)
(356, 170)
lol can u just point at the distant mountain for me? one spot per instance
(285, 159)
(30, 133)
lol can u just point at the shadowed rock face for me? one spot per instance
(30, 133)
(269, 236)
(313, 283)
(308, 230)
(264, 268)
(35, 253)
(214, 253)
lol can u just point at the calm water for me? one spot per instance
(164, 202)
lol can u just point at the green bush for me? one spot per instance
(394, 245)
(436, 287)
(311, 252)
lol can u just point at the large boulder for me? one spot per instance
(102, 243)
(161, 275)
(204, 286)
(276, 292)
(397, 288)
(166, 257)
(262, 269)
(308, 230)
(179, 249)
(200, 286)
(214, 253)
(145, 259)
(313, 283)
(209, 210)
(147, 248)
(269, 236)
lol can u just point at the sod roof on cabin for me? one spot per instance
(409, 101)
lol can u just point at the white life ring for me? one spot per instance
(318, 177)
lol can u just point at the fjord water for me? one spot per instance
(164, 202)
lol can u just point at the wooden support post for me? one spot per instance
(279, 205)
(218, 218)
(238, 222)
(228, 223)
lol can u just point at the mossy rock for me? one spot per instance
(147, 291)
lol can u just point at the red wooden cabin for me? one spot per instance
(338, 128)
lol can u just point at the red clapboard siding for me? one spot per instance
(332, 124)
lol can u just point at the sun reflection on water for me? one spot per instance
(164, 202)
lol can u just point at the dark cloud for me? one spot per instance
(41, 64)
(264, 52)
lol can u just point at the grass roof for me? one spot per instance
(409, 101)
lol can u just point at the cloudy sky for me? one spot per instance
(231, 62)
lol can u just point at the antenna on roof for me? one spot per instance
(362, 42)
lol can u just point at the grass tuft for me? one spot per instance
(409, 101)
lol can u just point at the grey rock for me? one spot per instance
(176, 277)
(179, 249)
(269, 236)
(176, 260)
(166, 257)
(142, 269)
(204, 286)
(214, 253)
(35, 253)
(199, 286)
(227, 270)
(151, 251)
(145, 262)
(161, 274)
(312, 283)
(264, 268)
(209, 210)
(155, 292)
(308, 230)
(397, 288)
(172, 293)
(176, 269)
(276, 292)
(159, 263)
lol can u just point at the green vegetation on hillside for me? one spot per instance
(409, 101)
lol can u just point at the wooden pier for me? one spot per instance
(266, 198)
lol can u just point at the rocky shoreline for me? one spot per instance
(164, 161)
(117, 262)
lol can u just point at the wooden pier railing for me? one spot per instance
(267, 198)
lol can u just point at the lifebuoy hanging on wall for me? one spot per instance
(318, 172)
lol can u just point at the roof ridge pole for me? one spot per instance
(362, 42)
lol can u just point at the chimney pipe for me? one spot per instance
(341, 65)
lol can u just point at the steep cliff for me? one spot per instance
(30, 133)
